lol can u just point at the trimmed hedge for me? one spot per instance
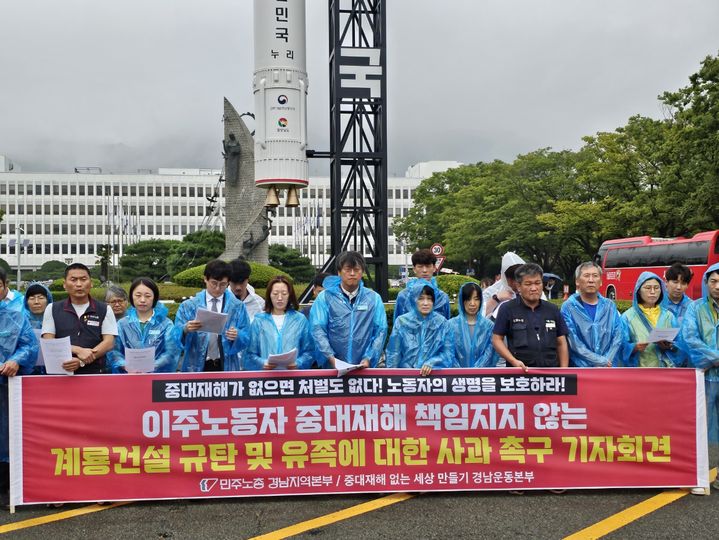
(260, 276)
(452, 283)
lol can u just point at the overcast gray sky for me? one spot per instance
(139, 83)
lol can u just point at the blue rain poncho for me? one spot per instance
(266, 339)
(636, 329)
(17, 344)
(678, 310)
(404, 302)
(36, 320)
(17, 339)
(471, 350)
(417, 341)
(195, 343)
(699, 336)
(593, 343)
(345, 330)
(158, 332)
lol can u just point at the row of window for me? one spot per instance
(107, 190)
(102, 210)
(157, 191)
(659, 255)
(73, 229)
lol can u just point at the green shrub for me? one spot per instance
(170, 291)
(452, 283)
(392, 293)
(260, 276)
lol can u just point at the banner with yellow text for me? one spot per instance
(159, 436)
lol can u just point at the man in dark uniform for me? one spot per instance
(534, 328)
(92, 327)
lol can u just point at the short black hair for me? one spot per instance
(36, 288)
(529, 269)
(76, 266)
(150, 284)
(351, 259)
(241, 270)
(429, 291)
(509, 273)
(319, 279)
(423, 256)
(3, 276)
(217, 269)
(678, 270)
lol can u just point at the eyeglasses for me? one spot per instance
(218, 284)
(117, 301)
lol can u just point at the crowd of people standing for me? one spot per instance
(509, 323)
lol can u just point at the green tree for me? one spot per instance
(195, 249)
(694, 122)
(147, 258)
(48, 270)
(290, 260)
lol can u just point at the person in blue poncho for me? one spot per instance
(470, 333)
(420, 339)
(146, 325)
(279, 329)
(699, 336)
(347, 320)
(423, 265)
(639, 320)
(206, 351)
(595, 328)
(18, 350)
(678, 277)
(37, 297)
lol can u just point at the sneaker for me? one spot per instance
(698, 491)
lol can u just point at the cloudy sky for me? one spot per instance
(138, 84)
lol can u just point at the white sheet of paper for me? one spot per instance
(55, 352)
(140, 360)
(212, 321)
(343, 368)
(283, 360)
(38, 334)
(662, 334)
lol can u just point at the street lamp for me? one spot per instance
(19, 244)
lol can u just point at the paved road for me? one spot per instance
(424, 516)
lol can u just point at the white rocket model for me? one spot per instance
(280, 87)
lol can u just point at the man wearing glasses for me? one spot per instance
(206, 351)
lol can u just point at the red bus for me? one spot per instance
(624, 259)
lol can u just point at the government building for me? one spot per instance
(68, 217)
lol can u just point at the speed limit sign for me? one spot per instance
(437, 249)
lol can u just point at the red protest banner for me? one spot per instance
(131, 437)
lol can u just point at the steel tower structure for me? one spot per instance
(358, 134)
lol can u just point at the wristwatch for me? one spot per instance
(496, 298)
(82, 364)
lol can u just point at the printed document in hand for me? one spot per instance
(140, 360)
(212, 321)
(56, 352)
(662, 334)
(38, 334)
(283, 360)
(343, 368)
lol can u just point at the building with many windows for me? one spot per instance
(69, 216)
